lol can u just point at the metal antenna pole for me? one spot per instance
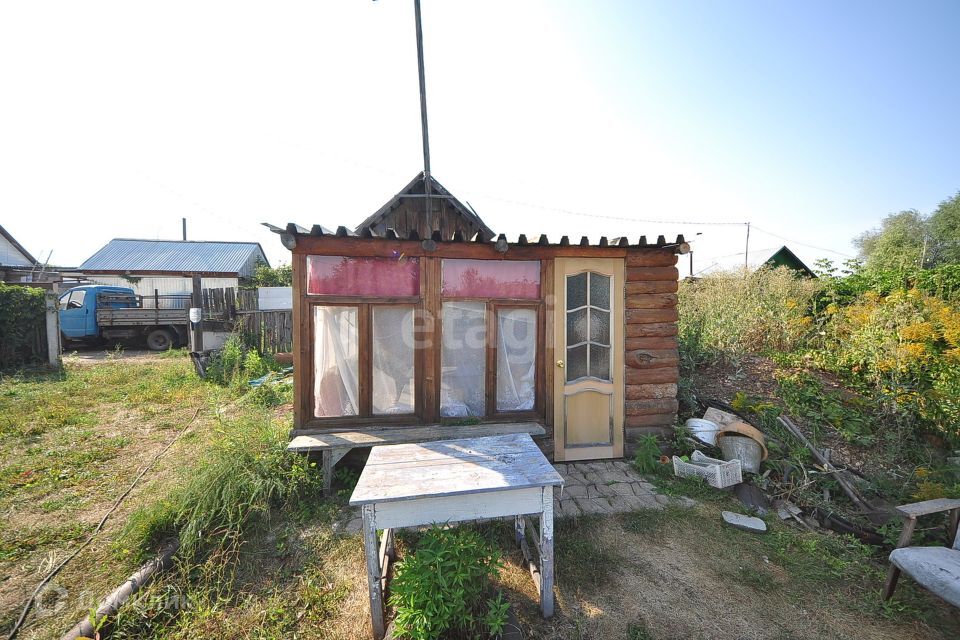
(423, 117)
(746, 253)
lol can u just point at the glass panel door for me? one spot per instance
(588, 326)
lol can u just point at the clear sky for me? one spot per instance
(812, 120)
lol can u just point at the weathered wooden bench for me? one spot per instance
(936, 569)
(333, 445)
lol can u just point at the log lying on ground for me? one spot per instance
(111, 604)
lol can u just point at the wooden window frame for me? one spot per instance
(428, 334)
(491, 305)
(365, 415)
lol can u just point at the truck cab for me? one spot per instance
(78, 309)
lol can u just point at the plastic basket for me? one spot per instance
(717, 473)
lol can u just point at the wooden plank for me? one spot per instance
(656, 258)
(380, 435)
(432, 307)
(652, 342)
(457, 508)
(651, 391)
(452, 468)
(647, 274)
(651, 301)
(651, 330)
(652, 358)
(374, 589)
(549, 366)
(650, 316)
(650, 376)
(490, 372)
(917, 509)
(385, 556)
(651, 420)
(546, 553)
(302, 365)
(893, 573)
(361, 247)
(647, 407)
(655, 286)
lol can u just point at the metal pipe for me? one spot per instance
(111, 604)
(423, 117)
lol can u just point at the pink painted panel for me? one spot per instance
(492, 278)
(341, 276)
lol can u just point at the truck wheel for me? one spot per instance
(159, 340)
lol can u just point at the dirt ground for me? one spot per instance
(681, 582)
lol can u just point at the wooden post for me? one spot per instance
(196, 328)
(371, 549)
(518, 525)
(894, 573)
(53, 330)
(327, 457)
(546, 553)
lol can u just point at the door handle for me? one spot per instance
(560, 364)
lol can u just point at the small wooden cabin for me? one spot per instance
(421, 316)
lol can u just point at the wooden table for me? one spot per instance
(333, 444)
(410, 485)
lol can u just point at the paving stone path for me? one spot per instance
(610, 486)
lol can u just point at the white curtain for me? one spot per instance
(336, 358)
(516, 359)
(463, 360)
(393, 360)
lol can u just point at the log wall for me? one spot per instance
(652, 359)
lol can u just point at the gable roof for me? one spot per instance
(405, 212)
(786, 258)
(8, 258)
(124, 255)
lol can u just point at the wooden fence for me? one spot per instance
(267, 331)
(226, 303)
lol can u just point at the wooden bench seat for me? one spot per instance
(333, 445)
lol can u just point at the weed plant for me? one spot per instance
(444, 587)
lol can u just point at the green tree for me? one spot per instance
(945, 231)
(901, 242)
(266, 276)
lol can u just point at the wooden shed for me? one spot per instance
(422, 320)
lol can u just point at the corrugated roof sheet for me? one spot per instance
(521, 240)
(124, 255)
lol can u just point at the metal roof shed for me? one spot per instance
(123, 256)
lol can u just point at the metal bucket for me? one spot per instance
(703, 430)
(746, 450)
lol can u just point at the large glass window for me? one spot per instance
(393, 360)
(336, 360)
(505, 279)
(588, 326)
(341, 276)
(516, 359)
(463, 360)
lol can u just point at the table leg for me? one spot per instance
(371, 549)
(546, 553)
(518, 528)
(894, 573)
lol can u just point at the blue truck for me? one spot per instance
(97, 313)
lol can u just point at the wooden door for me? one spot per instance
(588, 351)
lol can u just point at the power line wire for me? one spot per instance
(802, 244)
(605, 217)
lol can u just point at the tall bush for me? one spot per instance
(22, 326)
(731, 313)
